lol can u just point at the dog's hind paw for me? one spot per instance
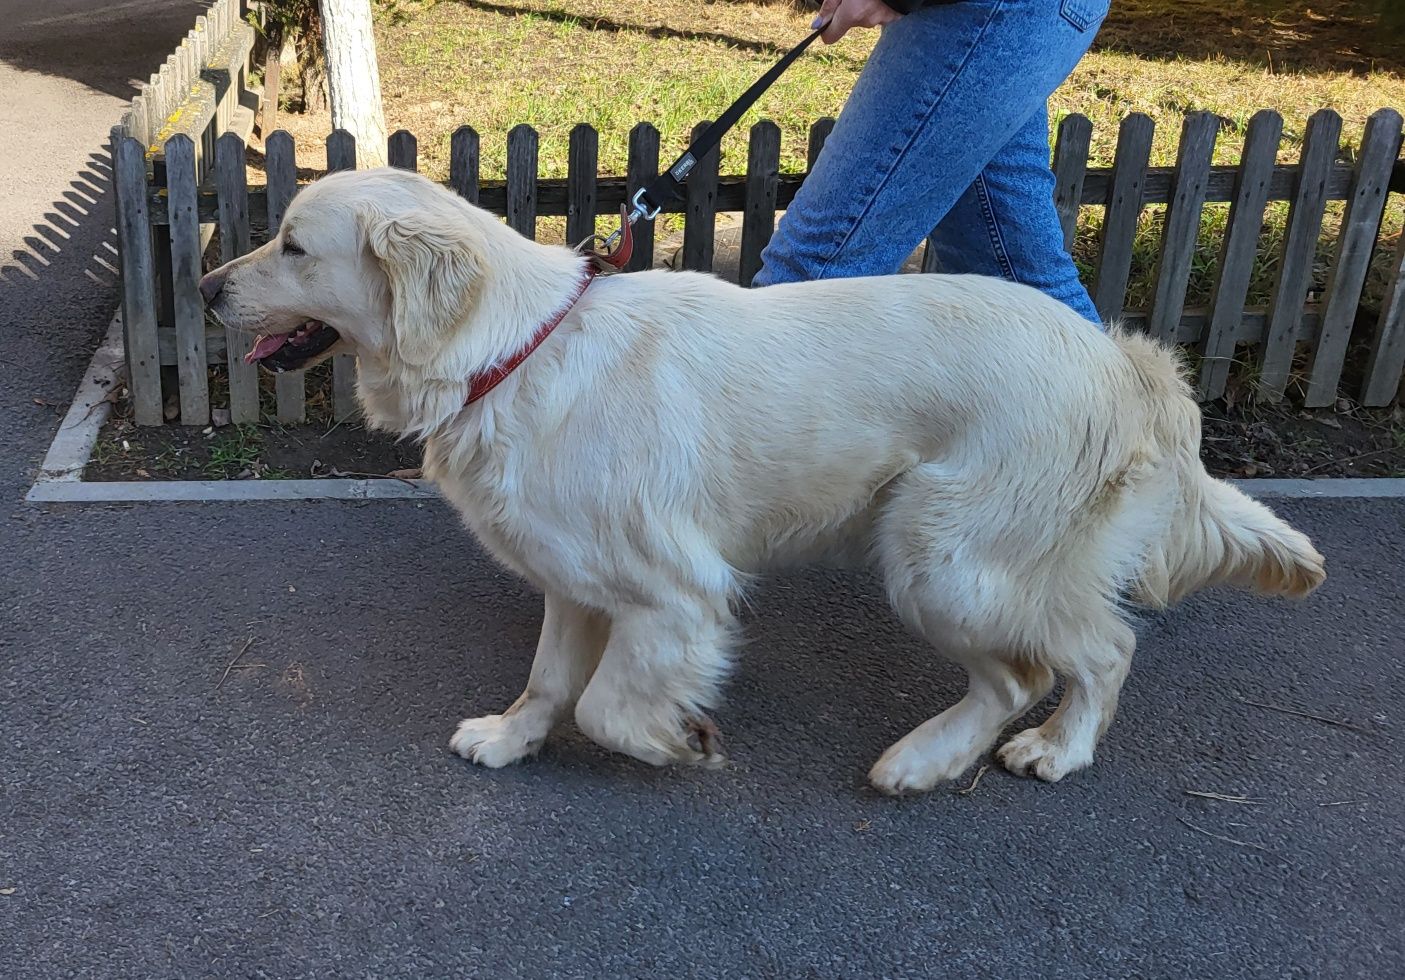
(1032, 753)
(494, 741)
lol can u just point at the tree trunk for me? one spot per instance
(353, 78)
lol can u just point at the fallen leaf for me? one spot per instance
(143, 474)
(413, 473)
(8, 891)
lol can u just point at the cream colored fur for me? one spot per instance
(1009, 470)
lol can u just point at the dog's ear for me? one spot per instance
(434, 269)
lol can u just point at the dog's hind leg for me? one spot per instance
(1001, 689)
(1093, 661)
(572, 640)
(662, 667)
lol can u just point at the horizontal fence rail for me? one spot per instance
(1301, 333)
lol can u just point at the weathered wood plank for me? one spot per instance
(1299, 250)
(700, 192)
(763, 164)
(231, 182)
(138, 278)
(1124, 205)
(643, 167)
(280, 164)
(819, 133)
(611, 192)
(1386, 363)
(1241, 242)
(186, 269)
(1361, 223)
(582, 169)
(522, 180)
(463, 163)
(402, 150)
(1182, 226)
(1075, 136)
(341, 155)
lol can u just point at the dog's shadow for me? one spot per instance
(825, 675)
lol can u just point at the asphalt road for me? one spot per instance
(302, 815)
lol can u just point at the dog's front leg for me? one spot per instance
(572, 640)
(662, 667)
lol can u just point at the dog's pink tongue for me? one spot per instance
(265, 346)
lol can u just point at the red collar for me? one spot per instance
(485, 381)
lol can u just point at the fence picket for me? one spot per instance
(1182, 226)
(763, 164)
(700, 226)
(1365, 207)
(1386, 363)
(643, 167)
(463, 163)
(819, 133)
(280, 164)
(1240, 248)
(1299, 249)
(341, 155)
(138, 278)
(582, 170)
(1124, 206)
(402, 150)
(1075, 136)
(233, 185)
(522, 180)
(192, 370)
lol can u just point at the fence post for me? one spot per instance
(233, 187)
(1240, 247)
(522, 180)
(280, 163)
(1124, 206)
(341, 155)
(402, 150)
(1070, 167)
(700, 226)
(1285, 310)
(463, 163)
(138, 278)
(192, 365)
(643, 167)
(1387, 361)
(1365, 207)
(582, 167)
(1182, 226)
(763, 165)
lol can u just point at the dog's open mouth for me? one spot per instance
(292, 351)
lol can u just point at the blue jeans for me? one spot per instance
(946, 132)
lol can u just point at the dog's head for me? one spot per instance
(381, 262)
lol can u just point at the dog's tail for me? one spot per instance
(1217, 535)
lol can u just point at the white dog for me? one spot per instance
(1010, 470)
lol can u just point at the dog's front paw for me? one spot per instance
(494, 741)
(1032, 753)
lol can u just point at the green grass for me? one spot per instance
(233, 450)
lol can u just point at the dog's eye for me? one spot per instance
(291, 247)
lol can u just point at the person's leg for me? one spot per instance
(945, 90)
(1005, 224)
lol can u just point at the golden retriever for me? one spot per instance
(1012, 472)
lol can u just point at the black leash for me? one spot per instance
(667, 187)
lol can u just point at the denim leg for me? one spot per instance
(1005, 224)
(945, 90)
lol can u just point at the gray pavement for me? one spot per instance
(305, 818)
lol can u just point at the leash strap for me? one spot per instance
(668, 186)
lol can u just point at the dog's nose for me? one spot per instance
(210, 285)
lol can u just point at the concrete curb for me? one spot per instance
(78, 433)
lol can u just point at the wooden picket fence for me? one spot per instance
(175, 211)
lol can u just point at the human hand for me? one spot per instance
(845, 14)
